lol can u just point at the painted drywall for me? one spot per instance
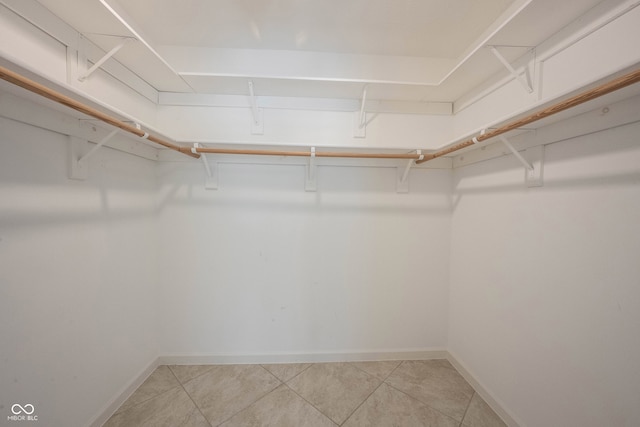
(579, 55)
(29, 46)
(545, 282)
(261, 267)
(305, 127)
(77, 277)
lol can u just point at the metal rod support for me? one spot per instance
(513, 72)
(207, 150)
(39, 89)
(98, 145)
(104, 59)
(410, 163)
(254, 106)
(312, 157)
(515, 152)
(363, 114)
(588, 95)
(205, 162)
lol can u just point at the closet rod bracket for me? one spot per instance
(402, 175)
(105, 58)
(525, 80)
(310, 181)
(211, 173)
(360, 117)
(257, 114)
(75, 168)
(528, 166)
(533, 166)
(96, 147)
(78, 162)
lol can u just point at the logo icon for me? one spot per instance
(18, 409)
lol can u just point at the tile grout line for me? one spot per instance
(143, 401)
(199, 375)
(376, 389)
(370, 394)
(189, 396)
(393, 370)
(349, 363)
(310, 365)
(301, 397)
(425, 403)
(261, 396)
(285, 383)
(375, 361)
(362, 403)
(420, 401)
(246, 407)
(468, 406)
(312, 405)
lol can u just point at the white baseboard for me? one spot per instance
(124, 394)
(222, 359)
(495, 404)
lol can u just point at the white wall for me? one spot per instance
(77, 276)
(31, 47)
(305, 127)
(545, 282)
(261, 267)
(593, 47)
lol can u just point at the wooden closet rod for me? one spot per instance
(611, 86)
(207, 150)
(51, 94)
(588, 95)
(35, 87)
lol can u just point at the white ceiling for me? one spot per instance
(412, 50)
(379, 27)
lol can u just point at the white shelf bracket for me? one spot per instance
(76, 169)
(310, 181)
(137, 125)
(257, 123)
(534, 177)
(475, 138)
(524, 81)
(104, 59)
(532, 169)
(525, 163)
(78, 164)
(211, 178)
(363, 114)
(360, 117)
(98, 145)
(402, 178)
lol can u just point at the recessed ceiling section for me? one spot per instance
(421, 28)
(143, 63)
(316, 89)
(274, 87)
(296, 65)
(411, 50)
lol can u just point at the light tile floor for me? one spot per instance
(391, 393)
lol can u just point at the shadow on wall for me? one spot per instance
(315, 205)
(602, 159)
(38, 205)
(611, 180)
(30, 201)
(281, 188)
(621, 179)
